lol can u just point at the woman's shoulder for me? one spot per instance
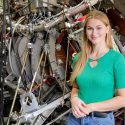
(116, 54)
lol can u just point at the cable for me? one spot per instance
(11, 43)
(16, 92)
(2, 63)
(54, 120)
(21, 9)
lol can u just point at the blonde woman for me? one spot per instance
(98, 75)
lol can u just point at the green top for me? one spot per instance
(99, 83)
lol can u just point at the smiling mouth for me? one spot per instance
(94, 38)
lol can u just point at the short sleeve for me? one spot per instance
(74, 60)
(75, 85)
(119, 72)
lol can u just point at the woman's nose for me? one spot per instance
(94, 32)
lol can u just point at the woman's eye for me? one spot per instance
(98, 28)
(89, 28)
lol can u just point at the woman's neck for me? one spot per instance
(98, 52)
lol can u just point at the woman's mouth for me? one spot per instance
(94, 38)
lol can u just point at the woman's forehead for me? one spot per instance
(94, 22)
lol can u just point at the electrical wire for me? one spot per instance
(2, 63)
(21, 8)
(10, 44)
(33, 80)
(17, 89)
(73, 8)
(100, 2)
(42, 77)
(69, 110)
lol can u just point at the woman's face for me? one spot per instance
(96, 31)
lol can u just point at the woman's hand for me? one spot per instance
(79, 108)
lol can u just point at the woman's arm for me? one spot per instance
(113, 104)
(77, 104)
(74, 92)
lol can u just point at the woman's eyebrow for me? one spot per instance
(99, 25)
(92, 26)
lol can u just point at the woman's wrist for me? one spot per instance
(91, 107)
(74, 96)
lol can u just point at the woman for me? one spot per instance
(98, 77)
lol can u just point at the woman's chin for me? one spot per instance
(94, 42)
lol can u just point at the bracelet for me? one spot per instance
(74, 96)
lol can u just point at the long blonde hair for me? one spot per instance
(86, 46)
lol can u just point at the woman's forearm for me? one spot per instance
(74, 92)
(109, 105)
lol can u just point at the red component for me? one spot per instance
(61, 36)
(81, 18)
(78, 1)
(117, 20)
(49, 80)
